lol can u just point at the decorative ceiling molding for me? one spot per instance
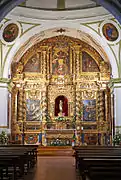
(7, 5)
(113, 6)
(97, 13)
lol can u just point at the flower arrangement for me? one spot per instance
(60, 118)
(3, 138)
(117, 138)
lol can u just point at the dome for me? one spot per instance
(60, 4)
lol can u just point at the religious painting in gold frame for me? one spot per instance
(89, 110)
(33, 110)
(88, 63)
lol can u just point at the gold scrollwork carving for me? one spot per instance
(33, 94)
(89, 94)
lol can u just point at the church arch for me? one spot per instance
(104, 51)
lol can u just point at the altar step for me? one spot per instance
(55, 151)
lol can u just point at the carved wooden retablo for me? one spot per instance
(60, 86)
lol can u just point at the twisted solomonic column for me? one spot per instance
(78, 106)
(20, 105)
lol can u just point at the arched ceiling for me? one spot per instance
(7, 5)
(113, 6)
(60, 4)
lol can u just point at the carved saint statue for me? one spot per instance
(61, 106)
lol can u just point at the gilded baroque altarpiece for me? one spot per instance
(63, 70)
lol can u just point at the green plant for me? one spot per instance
(60, 118)
(3, 138)
(117, 138)
(48, 118)
(74, 118)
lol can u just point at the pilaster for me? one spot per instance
(115, 86)
(5, 101)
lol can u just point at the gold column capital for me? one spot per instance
(6, 83)
(5, 80)
(115, 83)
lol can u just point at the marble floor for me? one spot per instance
(53, 168)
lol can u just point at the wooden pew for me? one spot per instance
(92, 150)
(9, 162)
(17, 157)
(103, 167)
(96, 161)
(32, 150)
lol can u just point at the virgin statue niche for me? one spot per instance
(61, 106)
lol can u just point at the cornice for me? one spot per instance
(115, 83)
(6, 83)
(4, 80)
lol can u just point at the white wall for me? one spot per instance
(3, 107)
(117, 104)
(35, 25)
